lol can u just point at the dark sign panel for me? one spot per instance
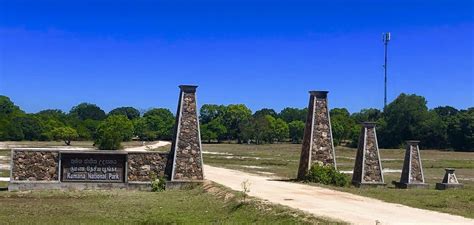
(92, 167)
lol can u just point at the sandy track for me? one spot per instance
(146, 147)
(328, 203)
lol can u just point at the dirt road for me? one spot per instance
(328, 203)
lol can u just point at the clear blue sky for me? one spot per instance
(56, 54)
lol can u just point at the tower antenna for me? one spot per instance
(385, 39)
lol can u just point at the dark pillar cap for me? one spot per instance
(319, 94)
(369, 124)
(188, 88)
(414, 142)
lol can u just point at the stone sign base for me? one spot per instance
(182, 185)
(410, 185)
(369, 185)
(31, 185)
(444, 186)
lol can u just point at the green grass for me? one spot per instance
(5, 152)
(4, 173)
(202, 205)
(282, 160)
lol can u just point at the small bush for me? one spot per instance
(326, 175)
(158, 184)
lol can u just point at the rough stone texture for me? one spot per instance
(35, 165)
(186, 148)
(141, 165)
(317, 141)
(368, 169)
(412, 173)
(449, 181)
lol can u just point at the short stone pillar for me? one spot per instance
(449, 181)
(412, 172)
(317, 141)
(186, 150)
(368, 167)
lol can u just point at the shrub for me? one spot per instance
(158, 184)
(112, 131)
(326, 175)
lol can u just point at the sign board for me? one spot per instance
(93, 167)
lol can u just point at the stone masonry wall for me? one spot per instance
(188, 165)
(35, 165)
(372, 167)
(357, 175)
(322, 138)
(416, 171)
(141, 165)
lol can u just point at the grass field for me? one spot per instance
(282, 160)
(207, 205)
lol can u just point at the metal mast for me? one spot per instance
(385, 39)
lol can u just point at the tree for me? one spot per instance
(234, 115)
(112, 131)
(292, 114)
(265, 112)
(66, 134)
(86, 111)
(364, 115)
(210, 112)
(296, 130)
(342, 124)
(160, 123)
(130, 112)
(10, 128)
(404, 117)
(280, 129)
(31, 127)
(214, 130)
(460, 130)
(445, 111)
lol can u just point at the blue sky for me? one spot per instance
(56, 54)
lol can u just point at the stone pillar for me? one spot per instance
(449, 181)
(186, 150)
(318, 144)
(412, 173)
(368, 167)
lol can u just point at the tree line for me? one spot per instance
(407, 117)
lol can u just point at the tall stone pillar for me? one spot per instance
(368, 167)
(318, 144)
(186, 150)
(412, 172)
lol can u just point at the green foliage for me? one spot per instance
(364, 115)
(326, 175)
(156, 124)
(404, 116)
(112, 131)
(460, 130)
(233, 117)
(10, 128)
(265, 112)
(293, 114)
(210, 112)
(342, 124)
(158, 184)
(296, 131)
(214, 130)
(130, 112)
(31, 127)
(86, 111)
(66, 134)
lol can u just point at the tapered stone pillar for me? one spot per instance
(186, 150)
(449, 181)
(318, 144)
(412, 173)
(368, 167)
